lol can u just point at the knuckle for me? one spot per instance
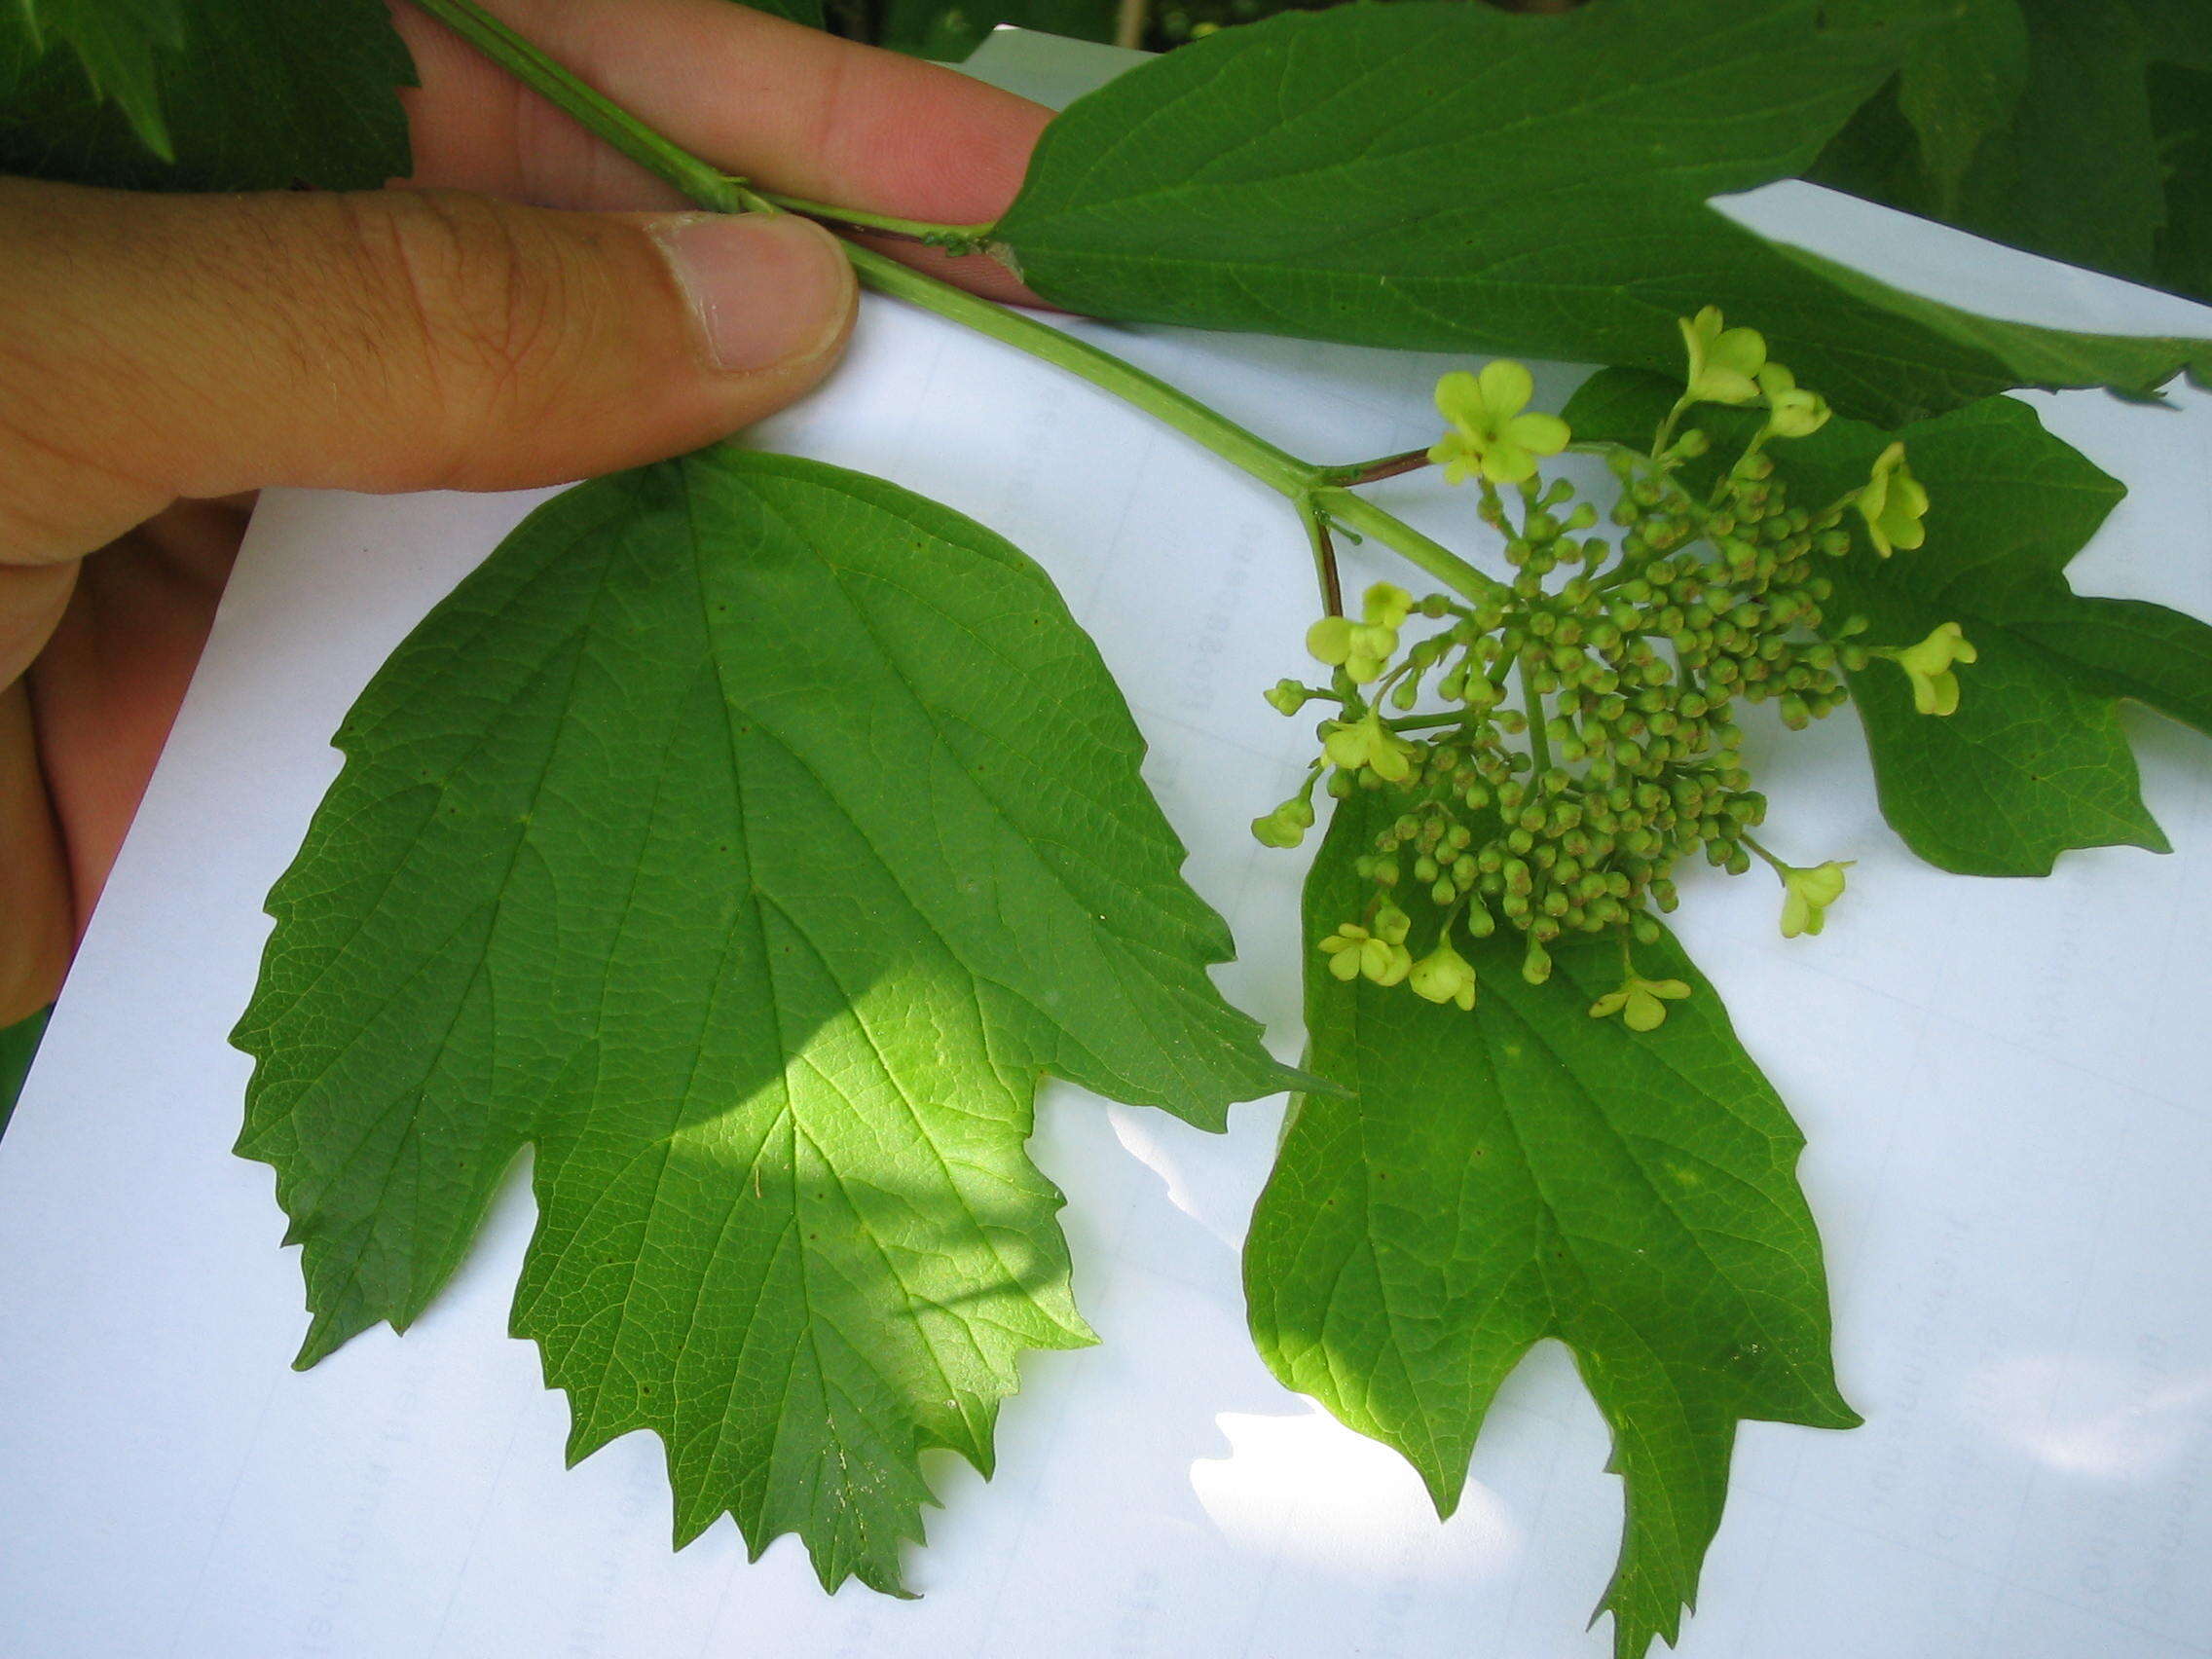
(483, 290)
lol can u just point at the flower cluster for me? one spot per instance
(1578, 733)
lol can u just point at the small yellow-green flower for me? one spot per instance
(1792, 410)
(1329, 640)
(1385, 606)
(1640, 1003)
(1807, 895)
(1928, 665)
(1724, 363)
(1286, 825)
(1362, 650)
(1354, 953)
(1487, 431)
(1444, 975)
(1892, 502)
(1372, 645)
(1368, 742)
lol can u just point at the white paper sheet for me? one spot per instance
(2003, 1083)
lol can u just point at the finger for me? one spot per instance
(158, 347)
(32, 598)
(34, 876)
(791, 108)
(108, 684)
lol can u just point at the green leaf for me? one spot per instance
(807, 12)
(1445, 176)
(948, 30)
(2132, 365)
(2087, 166)
(115, 42)
(2035, 760)
(2180, 111)
(747, 836)
(2177, 31)
(1961, 85)
(2078, 178)
(18, 1046)
(239, 95)
(1526, 1171)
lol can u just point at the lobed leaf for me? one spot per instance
(747, 836)
(1444, 176)
(1525, 1171)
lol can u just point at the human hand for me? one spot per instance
(162, 355)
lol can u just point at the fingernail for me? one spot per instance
(765, 289)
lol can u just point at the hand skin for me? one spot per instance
(514, 314)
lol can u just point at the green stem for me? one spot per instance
(1374, 472)
(1746, 838)
(1324, 558)
(1362, 516)
(953, 239)
(1425, 722)
(1313, 488)
(1271, 466)
(1539, 740)
(710, 187)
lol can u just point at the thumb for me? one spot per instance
(156, 347)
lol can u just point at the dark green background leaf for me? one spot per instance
(1960, 84)
(951, 29)
(2035, 760)
(2067, 164)
(2177, 31)
(18, 1046)
(747, 835)
(1449, 177)
(807, 12)
(2181, 114)
(257, 95)
(2096, 161)
(114, 42)
(1525, 1171)
(214, 94)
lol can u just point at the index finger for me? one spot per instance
(791, 108)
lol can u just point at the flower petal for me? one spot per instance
(1545, 434)
(1507, 462)
(1506, 388)
(1459, 396)
(1742, 350)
